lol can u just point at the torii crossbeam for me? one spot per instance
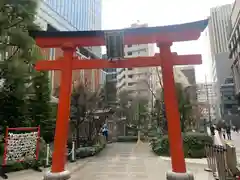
(163, 36)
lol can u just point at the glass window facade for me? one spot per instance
(83, 14)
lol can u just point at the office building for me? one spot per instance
(229, 102)
(234, 46)
(130, 79)
(230, 111)
(84, 15)
(50, 20)
(219, 28)
(206, 97)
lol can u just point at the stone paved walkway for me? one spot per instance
(125, 161)
(121, 161)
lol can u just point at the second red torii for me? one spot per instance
(125, 63)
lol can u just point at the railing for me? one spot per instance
(222, 161)
(71, 153)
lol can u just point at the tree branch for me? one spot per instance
(13, 54)
(149, 87)
(159, 77)
(15, 24)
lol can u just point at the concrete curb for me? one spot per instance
(78, 167)
(202, 161)
(73, 168)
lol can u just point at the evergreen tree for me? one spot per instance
(16, 19)
(39, 106)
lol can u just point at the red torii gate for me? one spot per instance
(163, 36)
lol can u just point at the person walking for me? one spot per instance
(105, 131)
(228, 130)
(212, 129)
(219, 129)
(224, 134)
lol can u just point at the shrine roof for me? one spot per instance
(194, 26)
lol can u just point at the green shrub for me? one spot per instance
(83, 152)
(193, 144)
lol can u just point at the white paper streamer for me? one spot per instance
(21, 146)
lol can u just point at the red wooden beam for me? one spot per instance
(49, 42)
(49, 65)
(195, 59)
(125, 63)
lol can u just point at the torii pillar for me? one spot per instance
(164, 36)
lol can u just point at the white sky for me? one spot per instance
(122, 13)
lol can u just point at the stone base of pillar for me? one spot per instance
(57, 176)
(179, 176)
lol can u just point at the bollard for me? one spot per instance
(47, 155)
(208, 156)
(214, 160)
(220, 162)
(231, 159)
(73, 152)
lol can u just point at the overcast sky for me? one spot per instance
(122, 13)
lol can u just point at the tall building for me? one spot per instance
(50, 20)
(229, 102)
(84, 15)
(130, 79)
(219, 28)
(229, 105)
(234, 46)
(206, 97)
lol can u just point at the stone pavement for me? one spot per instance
(123, 161)
(33, 175)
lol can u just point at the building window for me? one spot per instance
(130, 69)
(129, 45)
(130, 76)
(228, 106)
(129, 53)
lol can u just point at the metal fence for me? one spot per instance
(222, 161)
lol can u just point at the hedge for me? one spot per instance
(193, 144)
(83, 152)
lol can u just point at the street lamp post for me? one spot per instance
(208, 101)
